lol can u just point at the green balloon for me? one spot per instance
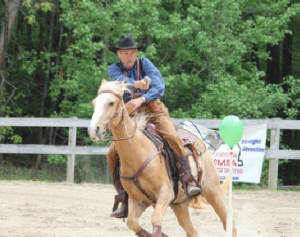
(231, 130)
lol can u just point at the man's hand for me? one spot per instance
(134, 104)
(143, 84)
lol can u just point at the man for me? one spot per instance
(139, 72)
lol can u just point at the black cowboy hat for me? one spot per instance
(126, 42)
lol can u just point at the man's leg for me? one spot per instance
(166, 129)
(114, 167)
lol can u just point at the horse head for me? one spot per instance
(108, 109)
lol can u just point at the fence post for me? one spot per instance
(71, 157)
(273, 163)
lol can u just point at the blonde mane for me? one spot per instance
(115, 86)
(141, 119)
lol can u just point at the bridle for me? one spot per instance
(117, 113)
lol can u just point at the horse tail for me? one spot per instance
(225, 186)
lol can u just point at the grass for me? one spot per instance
(9, 172)
(55, 173)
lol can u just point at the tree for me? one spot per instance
(9, 15)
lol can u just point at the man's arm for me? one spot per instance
(157, 87)
(115, 73)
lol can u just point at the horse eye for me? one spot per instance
(111, 104)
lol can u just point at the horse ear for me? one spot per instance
(123, 85)
(102, 83)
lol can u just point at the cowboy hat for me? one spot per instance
(126, 42)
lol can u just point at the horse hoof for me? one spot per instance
(157, 232)
(143, 233)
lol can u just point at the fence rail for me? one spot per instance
(273, 154)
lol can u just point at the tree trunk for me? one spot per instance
(273, 65)
(42, 135)
(287, 55)
(10, 14)
(8, 21)
(296, 46)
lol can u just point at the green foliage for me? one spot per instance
(195, 58)
(252, 99)
(33, 6)
(8, 133)
(57, 159)
(292, 86)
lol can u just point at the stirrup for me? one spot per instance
(192, 191)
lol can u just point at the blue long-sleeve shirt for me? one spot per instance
(116, 72)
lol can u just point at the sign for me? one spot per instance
(248, 154)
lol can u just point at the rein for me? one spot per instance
(135, 123)
(127, 138)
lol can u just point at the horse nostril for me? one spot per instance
(97, 129)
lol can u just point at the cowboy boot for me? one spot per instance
(121, 197)
(186, 177)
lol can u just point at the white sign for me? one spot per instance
(248, 155)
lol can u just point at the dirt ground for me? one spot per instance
(35, 209)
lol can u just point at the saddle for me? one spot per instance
(189, 140)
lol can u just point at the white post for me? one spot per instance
(273, 163)
(71, 157)
(229, 211)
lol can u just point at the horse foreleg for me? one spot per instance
(162, 203)
(135, 210)
(184, 220)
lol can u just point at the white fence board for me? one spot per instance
(51, 149)
(283, 154)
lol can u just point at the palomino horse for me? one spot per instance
(140, 158)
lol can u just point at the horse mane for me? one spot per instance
(141, 119)
(115, 86)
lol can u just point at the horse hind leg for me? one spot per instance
(184, 220)
(212, 190)
(216, 198)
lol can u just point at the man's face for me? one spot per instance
(127, 57)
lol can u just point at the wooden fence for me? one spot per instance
(273, 154)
